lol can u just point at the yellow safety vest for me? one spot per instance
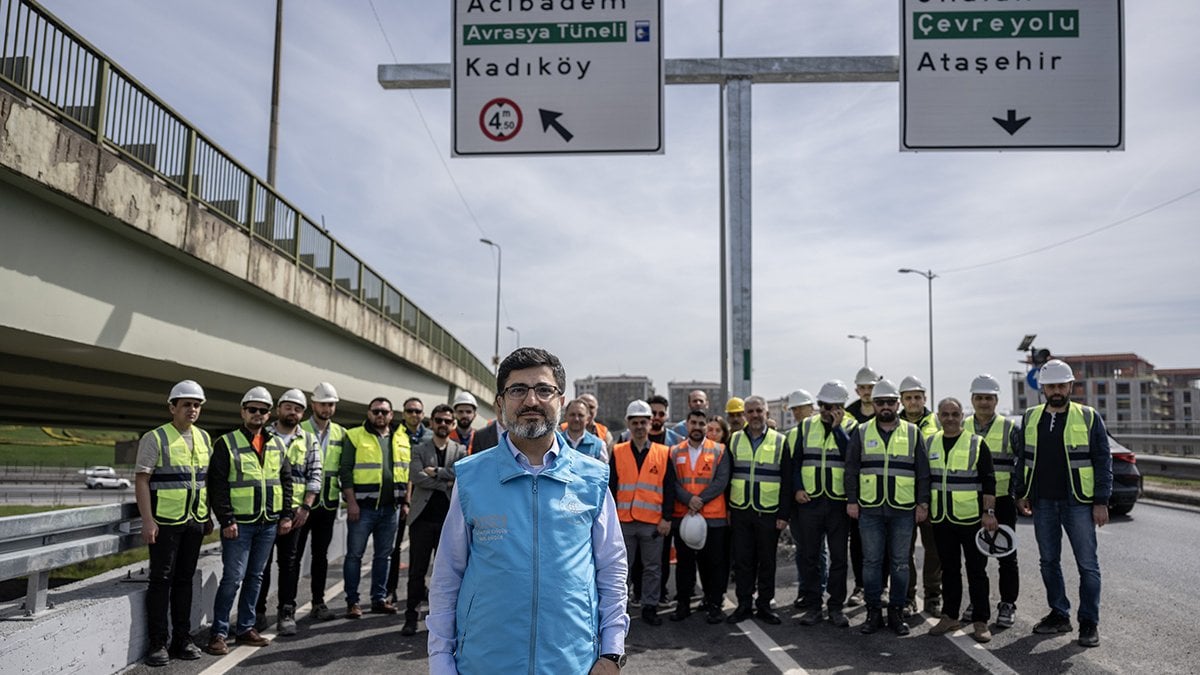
(1076, 444)
(956, 484)
(823, 472)
(368, 463)
(756, 478)
(297, 454)
(255, 490)
(331, 458)
(177, 492)
(928, 424)
(999, 442)
(888, 471)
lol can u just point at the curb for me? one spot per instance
(1175, 496)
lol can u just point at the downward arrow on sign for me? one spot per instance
(1011, 124)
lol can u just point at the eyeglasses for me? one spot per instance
(413, 411)
(885, 402)
(442, 420)
(832, 406)
(256, 411)
(518, 392)
(380, 411)
(659, 413)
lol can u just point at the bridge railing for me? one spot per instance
(44, 60)
(35, 545)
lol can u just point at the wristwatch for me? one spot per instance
(618, 659)
(305, 507)
(990, 512)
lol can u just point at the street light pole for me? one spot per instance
(929, 277)
(518, 334)
(865, 340)
(499, 260)
(273, 140)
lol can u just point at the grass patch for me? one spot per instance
(1173, 482)
(58, 448)
(23, 509)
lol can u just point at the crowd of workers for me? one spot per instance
(856, 483)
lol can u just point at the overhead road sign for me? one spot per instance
(537, 77)
(1012, 75)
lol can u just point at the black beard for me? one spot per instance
(885, 415)
(1056, 401)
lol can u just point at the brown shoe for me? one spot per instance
(251, 638)
(383, 607)
(353, 611)
(948, 624)
(981, 632)
(216, 646)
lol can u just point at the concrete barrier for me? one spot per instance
(99, 625)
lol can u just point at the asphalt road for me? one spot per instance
(1147, 561)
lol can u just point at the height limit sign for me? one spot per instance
(536, 77)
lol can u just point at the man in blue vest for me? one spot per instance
(171, 464)
(577, 435)
(533, 504)
(1064, 477)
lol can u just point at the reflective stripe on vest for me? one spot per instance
(1076, 443)
(999, 442)
(888, 472)
(697, 479)
(756, 480)
(177, 490)
(331, 458)
(640, 492)
(297, 454)
(955, 480)
(368, 463)
(823, 473)
(255, 491)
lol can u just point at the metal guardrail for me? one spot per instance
(43, 59)
(1155, 428)
(1169, 467)
(36, 544)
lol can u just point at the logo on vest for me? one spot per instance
(488, 528)
(872, 444)
(934, 455)
(570, 504)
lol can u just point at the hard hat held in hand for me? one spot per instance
(998, 544)
(693, 530)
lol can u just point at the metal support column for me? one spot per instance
(740, 268)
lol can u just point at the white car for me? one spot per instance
(94, 482)
(106, 471)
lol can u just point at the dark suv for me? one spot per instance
(1127, 480)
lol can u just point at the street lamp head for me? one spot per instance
(906, 270)
(487, 241)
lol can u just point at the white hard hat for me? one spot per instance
(258, 395)
(324, 393)
(985, 384)
(998, 544)
(885, 389)
(693, 530)
(186, 389)
(866, 375)
(464, 398)
(638, 408)
(833, 392)
(294, 396)
(911, 383)
(1055, 371)
(798, 398)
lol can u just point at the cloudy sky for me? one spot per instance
(611, 262)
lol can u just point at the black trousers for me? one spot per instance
(423, 536)
(1010, 573)
(931, 568)
(755, 539)
(284, 551)
(393, 581)
(856, 553)
(173, 558)
(956, 543)
(320, 527)
(712, 562)
(824, 520)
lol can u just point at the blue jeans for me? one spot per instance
(1050, 518)
(380, 525)
(880, 528)
(243, 559)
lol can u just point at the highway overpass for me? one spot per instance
(137, 253)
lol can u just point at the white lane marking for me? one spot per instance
(236, 656)
(967, 645)
(777, 655)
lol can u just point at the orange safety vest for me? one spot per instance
(696, 480)
(640, 493)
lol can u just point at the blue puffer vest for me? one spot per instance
(528, 601)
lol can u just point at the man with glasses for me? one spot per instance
(537, 515)
(819, 476)
(414, 426)
(171, 462)
(374, 478)
(250, 493)
(886, 481)
(431, 477)
(761, 474)
(328, 436)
